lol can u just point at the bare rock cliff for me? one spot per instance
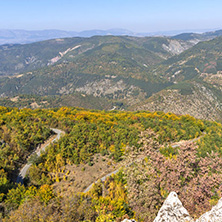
(173, 210)
(215, 214)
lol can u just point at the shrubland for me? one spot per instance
(193, 168)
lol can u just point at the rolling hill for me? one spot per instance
(155, 73)
(90, 55)
(198, 36)
(153, 153)
(112, 67)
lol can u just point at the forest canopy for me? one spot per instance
(113, 135)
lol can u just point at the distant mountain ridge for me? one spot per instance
(202, 37)
(29, 36)
(19, 36)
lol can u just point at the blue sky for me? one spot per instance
(135, 15)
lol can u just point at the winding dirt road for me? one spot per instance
(24, 170)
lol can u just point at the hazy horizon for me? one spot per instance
(136, 16)
(158, 31)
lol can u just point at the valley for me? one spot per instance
(140, 116)
(180, 74)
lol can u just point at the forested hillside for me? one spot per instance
(196, 74)
(97, 54)
(139, 144)
(107, 69)
(116, 72)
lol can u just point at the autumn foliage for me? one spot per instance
(192, 169)
(197, 180)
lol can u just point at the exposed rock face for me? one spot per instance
(173, 210)
(110, 88)
(214, 215)
(176, 47)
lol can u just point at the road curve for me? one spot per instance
(185, 141)
(102, 179)
(116, 171)
(24, 170)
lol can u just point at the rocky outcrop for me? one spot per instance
(214, 215)
(175, 47)
(173, 210)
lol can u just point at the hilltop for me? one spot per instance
(151, 153)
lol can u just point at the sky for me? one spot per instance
(134, 15)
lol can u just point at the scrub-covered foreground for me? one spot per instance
(140, 142)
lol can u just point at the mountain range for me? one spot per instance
(8, 36)
(148, 154)
(180, 74)
(19, 36)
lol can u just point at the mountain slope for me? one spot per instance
(89, 54)
(127, 90)
(197, 77)
(154, 153)
(21, 58)
(128, 73)
(205, 57)
(112, 67)
(198, 99)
